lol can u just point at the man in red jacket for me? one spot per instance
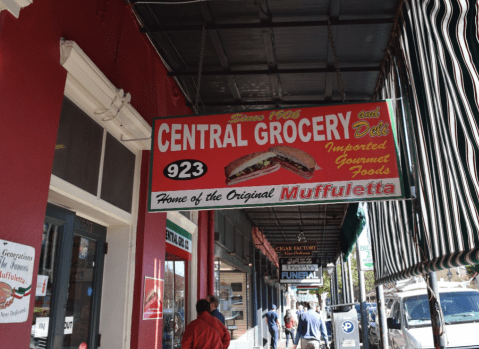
(206, 332)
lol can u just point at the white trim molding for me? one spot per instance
(110, 107)
(14, 6)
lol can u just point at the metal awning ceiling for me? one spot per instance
(267, 53)
(320, 223)
(274, 53)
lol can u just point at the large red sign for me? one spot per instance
(333, 153)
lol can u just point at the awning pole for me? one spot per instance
(344, 282)
(362, 300)
(383, 326)
(331, 289)
(436, 312)
(336, 283)
(351, 285)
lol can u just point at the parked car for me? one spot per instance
(409, 323)
(369, 308)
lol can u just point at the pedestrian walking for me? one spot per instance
(300, 311)
(206, 331)
(289, 325)
(310, 330)
(273, 325)
(214, 304)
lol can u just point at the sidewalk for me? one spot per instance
(282, 344)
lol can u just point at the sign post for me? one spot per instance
(334, 153)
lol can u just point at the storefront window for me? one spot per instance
(232, 286)
(174, 302)
(68, 292)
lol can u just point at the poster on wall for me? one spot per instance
(153, 299)
(333, 153)
(16, 271)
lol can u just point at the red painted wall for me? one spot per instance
(31, 90)
(202, 254)
(150, 261)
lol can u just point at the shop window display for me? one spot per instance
(232, 286)
(174, 302)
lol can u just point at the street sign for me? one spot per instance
(364, 251)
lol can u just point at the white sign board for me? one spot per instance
(42, 323)
(301, 274)
(364, 251)
(16, 271)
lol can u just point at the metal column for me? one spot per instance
(364, 313)
(351, 285)
(336, 283)
(344, 282)
(258, 334)
(331, 288)
(383, 327)
(436, 312)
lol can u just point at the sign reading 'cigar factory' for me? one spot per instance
(299, 249)
(333, 153)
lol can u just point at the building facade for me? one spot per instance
(79, 86)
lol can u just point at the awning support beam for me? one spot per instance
(276, 71)
(271, 25)
(274, 103)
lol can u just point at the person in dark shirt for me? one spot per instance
(273, 323)
(214, 304)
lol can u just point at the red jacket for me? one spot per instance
(206, 332)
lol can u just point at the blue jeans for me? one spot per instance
(274, 337)
(289, 334)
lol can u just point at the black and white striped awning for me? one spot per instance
(431, 70)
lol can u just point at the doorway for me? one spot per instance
(67, 300)
(174, 301)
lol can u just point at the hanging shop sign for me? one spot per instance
(178, 240)
(308, 287)
(311, 274)
(16, 271)
(288, 249)
(364, 251)
(153, 299)
(333, 153)
(300, 260)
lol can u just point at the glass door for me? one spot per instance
(174, 302)
(67, 299)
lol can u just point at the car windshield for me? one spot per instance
(456, 306)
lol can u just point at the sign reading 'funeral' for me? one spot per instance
(301, 274)
(333, 153)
